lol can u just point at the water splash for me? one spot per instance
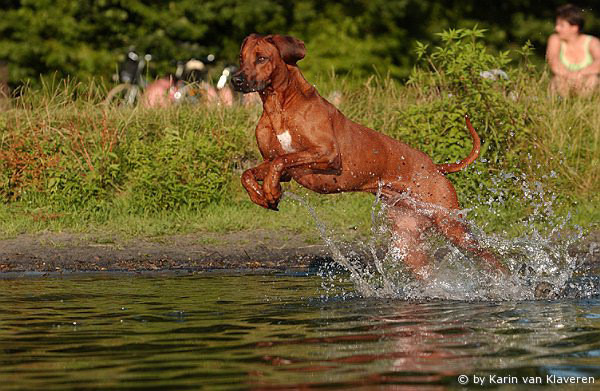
(357, 275)
(540, 263)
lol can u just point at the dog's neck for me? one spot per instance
(287, 88)
(277, 96)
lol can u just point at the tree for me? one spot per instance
(84, 38)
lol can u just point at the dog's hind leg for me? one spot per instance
(456, 231)
(437, 198)
(408, 227)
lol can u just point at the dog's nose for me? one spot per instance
(237, 80)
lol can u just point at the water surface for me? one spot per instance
(273, 331)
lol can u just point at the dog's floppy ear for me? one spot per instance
(291, 49)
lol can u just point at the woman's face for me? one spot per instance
(565, 30)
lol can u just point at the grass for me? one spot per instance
(571, 145)
(68, 122)
(347, 214)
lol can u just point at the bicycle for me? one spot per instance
(131, 80)
(199, 89)
(189, 84)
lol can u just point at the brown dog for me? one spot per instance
(302, 136)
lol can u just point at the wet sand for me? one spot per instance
(256, 250)
(62, 252)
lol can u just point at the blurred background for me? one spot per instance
(88, 38)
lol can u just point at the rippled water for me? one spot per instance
(278, 331)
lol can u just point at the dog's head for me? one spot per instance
(264, 61)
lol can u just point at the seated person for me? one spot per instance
(573, 57)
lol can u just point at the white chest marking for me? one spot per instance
(285, 139)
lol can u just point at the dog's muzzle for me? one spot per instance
(241, 84)
(238, 81)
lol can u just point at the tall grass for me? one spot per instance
(69, 162)
(568, 141)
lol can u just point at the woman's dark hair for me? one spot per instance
(572, 14)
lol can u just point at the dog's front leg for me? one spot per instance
(319, 160)
(250, 181)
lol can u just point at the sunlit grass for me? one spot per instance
(565, 133)
(345, 215)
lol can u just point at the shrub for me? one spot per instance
(63, 154)
(461, 77)
(183, 168)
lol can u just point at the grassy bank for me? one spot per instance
(68, 162)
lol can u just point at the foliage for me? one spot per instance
(462, 77)
(89, 158)
(85, 38)
(567, 143)
(183, 168)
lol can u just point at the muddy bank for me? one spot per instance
(61, 252)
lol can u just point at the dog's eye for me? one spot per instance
(262, 59)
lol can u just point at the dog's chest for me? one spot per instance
(285, 140)
(280, 126)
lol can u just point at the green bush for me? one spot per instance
(448, 83)
(183, 168)
(71, 157)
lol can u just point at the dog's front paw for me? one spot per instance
(259, 200)
(272, 193)
(273, 204)
(259, 197)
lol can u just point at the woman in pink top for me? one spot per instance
(573, 57)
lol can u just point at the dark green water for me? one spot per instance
(218, 331)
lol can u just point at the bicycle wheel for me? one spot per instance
(123, 94)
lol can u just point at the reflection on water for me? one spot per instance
(276, 331)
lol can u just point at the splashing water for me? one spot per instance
(537, 261)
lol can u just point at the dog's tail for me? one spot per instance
(455, 167)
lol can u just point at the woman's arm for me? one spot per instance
(594, 67)
(553, 57)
